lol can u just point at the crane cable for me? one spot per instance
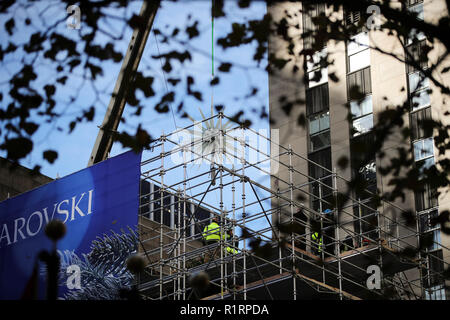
(165, 80)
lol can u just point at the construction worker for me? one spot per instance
(317, 243)
(211, 234)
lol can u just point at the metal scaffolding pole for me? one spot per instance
(183, 234)
(421, 269)
(161, 230)
(337, 230)
(244, 243)
(233, 208)
(291, 204)
(152, 201)
(320, 237)
(279, 232)
(180, 275)
(223, 235)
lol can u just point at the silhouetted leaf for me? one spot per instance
(50, 155)
(225, 67)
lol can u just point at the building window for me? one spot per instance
(358, 52)
(416, 54)
(359, 84)
(424, 159)
(366, 224)
(319, 123)
(363, 164)
(435, 293)
(318, 161)
(362, 107)
(359, 60)
(426, 220)
(414, 2)
(362, 125)
(352, 17)
(424, 165)
(317, 106)
(359, 89)
(323, 159)
(320, 140)
(419, 129)
(362, 117)
(420, 99)
(414, 35)
(311, 11)
(423, 155)
(418, 86)
(317, 99)
(423, 149)
(426, 198)
(355, 20)
(319, 131)
(369, 173)
(431, 240)
(316, 68)
(417, 81)
(432, 276)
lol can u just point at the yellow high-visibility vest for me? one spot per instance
(315, 237)
(211, 232)
(231, 250)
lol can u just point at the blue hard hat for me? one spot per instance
(327, 211)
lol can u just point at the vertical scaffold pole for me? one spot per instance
(360, 223)
(337, 235)
(380, 243)
(152, 201)
(161, 230)
(222, 215)
(291, 187)
(421, 262)
(233, 207)
(172, 228)
(244, 248)
(179, 274)
(321, 237)
(184, 220)
(279, 232)
(192, 209)
(222, 236)
(172, 211)
(138, 280)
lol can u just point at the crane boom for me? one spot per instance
(130, 64)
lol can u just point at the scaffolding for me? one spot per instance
(294, 236)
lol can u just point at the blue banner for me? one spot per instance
(98, 200)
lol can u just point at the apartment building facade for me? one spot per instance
(339, 117)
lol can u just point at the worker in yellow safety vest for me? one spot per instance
(211, 234)
(318, 242)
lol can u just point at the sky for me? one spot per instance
(74, 149)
